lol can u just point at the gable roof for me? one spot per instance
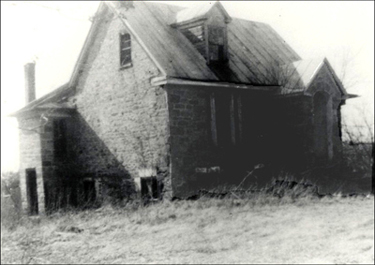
(299, 75)
(177, 56)
(50, 100)
(255, 51)
(254, 48)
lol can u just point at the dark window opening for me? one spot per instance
(59, 138)
(149, 188)
(125, 50)
(89, 192)
(216, 41)
(31, 191)
(226, 119)
(194, 34)
(223, 119)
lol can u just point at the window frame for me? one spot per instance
(125, 50)
(235, 119)
(221, 46)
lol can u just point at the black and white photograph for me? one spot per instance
(187, 132)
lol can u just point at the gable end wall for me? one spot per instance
(325, 82)
(121, 125)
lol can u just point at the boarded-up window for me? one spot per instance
(125, 49)
(59, 138)
(225, 119)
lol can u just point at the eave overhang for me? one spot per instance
(162, 81)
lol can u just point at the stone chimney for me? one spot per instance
(29, 82)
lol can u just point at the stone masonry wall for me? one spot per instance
(30, 157)
(121, 125)
(192, 145)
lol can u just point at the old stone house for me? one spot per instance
(168, 101)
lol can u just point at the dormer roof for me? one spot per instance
(198, 12)
(300, 75)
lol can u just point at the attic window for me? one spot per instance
(125, 50)
(216, 42)
(195, 34)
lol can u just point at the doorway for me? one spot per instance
(31, 191)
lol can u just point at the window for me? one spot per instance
(89, 192)
(195, 34)
(149, 189)
(223, 119)
(125, 50)
(59, 138)
(216, 42)
(226, 119)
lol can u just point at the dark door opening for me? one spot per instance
(89, 192)
(31, 191)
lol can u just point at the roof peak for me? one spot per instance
(199, 11)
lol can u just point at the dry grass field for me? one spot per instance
(264, 229)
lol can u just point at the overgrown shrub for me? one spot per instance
(10, 199)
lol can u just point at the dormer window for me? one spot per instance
(195, 34)
(216, 44)
(213, 49)
(125, 50)
(205, 27)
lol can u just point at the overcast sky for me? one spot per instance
(52, 34)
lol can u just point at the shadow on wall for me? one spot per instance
(89, 174)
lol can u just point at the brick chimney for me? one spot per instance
(29, 82)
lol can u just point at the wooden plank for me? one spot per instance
(276, 46)
(232, 119)
(248, 59)
(213, 118)
(141, 19)
(244, 73)
(254, 48)
(292, 53)
(250, 37)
